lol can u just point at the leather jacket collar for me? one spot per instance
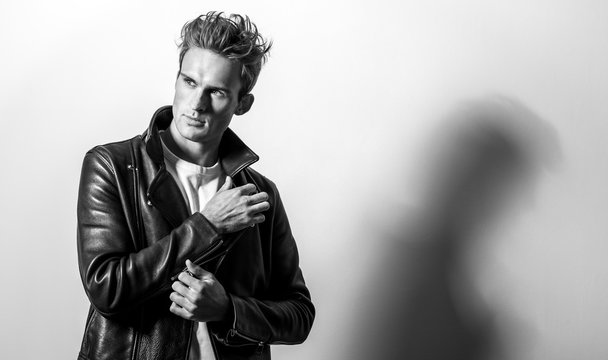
(233, 153)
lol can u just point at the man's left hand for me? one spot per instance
(200, 297)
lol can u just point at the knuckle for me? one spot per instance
(195, 288)
(196, 295)
(190, 307)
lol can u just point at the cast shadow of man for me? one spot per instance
(482, 168)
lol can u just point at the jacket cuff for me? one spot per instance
(240, 327)
(208, 225)
(206, 240)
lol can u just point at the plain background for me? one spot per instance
(341, 107)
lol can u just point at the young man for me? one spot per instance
(184, 251)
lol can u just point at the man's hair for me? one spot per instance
(232, 36)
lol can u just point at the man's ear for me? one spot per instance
(244, 104)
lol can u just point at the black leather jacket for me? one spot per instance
(135, 234)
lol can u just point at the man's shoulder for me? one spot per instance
(117, 151)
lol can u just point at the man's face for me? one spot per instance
(206, 96)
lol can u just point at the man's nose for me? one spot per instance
(200, 102)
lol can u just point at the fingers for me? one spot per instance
(247, 189)
(188, 282)
(181, 301)
(258, 203)
(227, 184)
(196, 270)
(258, 198)
(258, 219)
(231, 211)
(183, 290)
(181, 312)
(194, 278)
(258, 208)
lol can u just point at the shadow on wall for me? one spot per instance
(482, 167)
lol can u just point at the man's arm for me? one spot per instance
(115, 276)
(284, 317)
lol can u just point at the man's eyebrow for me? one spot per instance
(185, 75)
(222, 88)
(215, 87)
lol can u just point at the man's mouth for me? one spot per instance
(195, 121)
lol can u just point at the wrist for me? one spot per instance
(211, 222)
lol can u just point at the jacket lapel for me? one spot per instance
(165, 195)
(163, 192)
(234, 154)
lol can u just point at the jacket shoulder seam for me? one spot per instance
(106, 151)
(103, 158)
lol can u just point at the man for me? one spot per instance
(184, 251)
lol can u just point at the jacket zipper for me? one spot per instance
(189, 344)
(198, 262)
(214, 247)
(224, 253)
(139, 241)
(259, 344)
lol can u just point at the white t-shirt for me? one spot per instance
(198, 184)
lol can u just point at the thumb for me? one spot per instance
(196, 270)
(227, 184)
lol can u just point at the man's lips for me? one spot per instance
(195, 121)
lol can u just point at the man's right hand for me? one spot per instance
(231, 210)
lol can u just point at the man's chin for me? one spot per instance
(194, 133)
(200, 136)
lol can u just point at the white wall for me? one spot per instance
(350, 89)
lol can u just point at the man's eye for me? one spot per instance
(189, 82)
(217, 92)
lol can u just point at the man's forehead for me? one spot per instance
(209, 65)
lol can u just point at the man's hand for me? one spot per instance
(231, 210)
(200, 297)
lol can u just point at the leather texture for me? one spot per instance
(135, 234)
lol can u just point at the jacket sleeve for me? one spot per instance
(286, 317)
(117, 277)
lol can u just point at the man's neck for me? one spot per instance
(202, 154)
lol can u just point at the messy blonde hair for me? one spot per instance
(232, 36)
